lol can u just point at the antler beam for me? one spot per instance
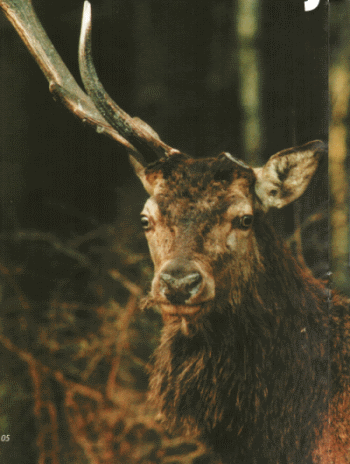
(61, 83)
(65, 89)
(140, 134)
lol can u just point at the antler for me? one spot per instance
(64, 87)
(140, 134)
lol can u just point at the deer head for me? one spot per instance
(200, 218)
(199, 221)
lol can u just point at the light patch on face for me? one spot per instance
(238, 238)
(159, 237)
(214, 244)
(239, 207)
(239, 241)
(151, 209)
(232, 241)
(225, 235)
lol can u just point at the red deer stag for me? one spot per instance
(254, 353)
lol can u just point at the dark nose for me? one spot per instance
(180, 283)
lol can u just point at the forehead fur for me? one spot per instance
(181, 177)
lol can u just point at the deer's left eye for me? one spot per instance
(145, 223)
(246, 221)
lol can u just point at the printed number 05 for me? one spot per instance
(5, 437)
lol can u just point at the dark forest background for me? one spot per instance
(246, 77)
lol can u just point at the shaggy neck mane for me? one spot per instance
(261, 366)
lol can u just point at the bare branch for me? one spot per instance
(61, 83)
(133, 288)
(48, 237)
(120, 345)
(8, 276)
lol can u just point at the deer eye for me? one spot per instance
(246, 221)
(145, 222)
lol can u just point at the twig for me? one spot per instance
(122, 340)
(74, 387)
(133, 288)
(36, 370)
(76, 425)
(34, 235)
(12, 282)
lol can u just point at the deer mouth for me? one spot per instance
(180, 310)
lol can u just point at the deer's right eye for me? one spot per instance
(246, 221)
(145, 222)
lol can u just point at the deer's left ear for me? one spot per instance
(287, 174)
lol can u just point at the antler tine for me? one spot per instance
(136, 131)
(61, 83)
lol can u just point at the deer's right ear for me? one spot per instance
(286, 175)
(141, 174)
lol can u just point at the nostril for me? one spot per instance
(180, 289)
(192, 282)
(168, 279)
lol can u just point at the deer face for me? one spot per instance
(200, 213)
(199, 222)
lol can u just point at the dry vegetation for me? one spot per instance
(79, 354)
